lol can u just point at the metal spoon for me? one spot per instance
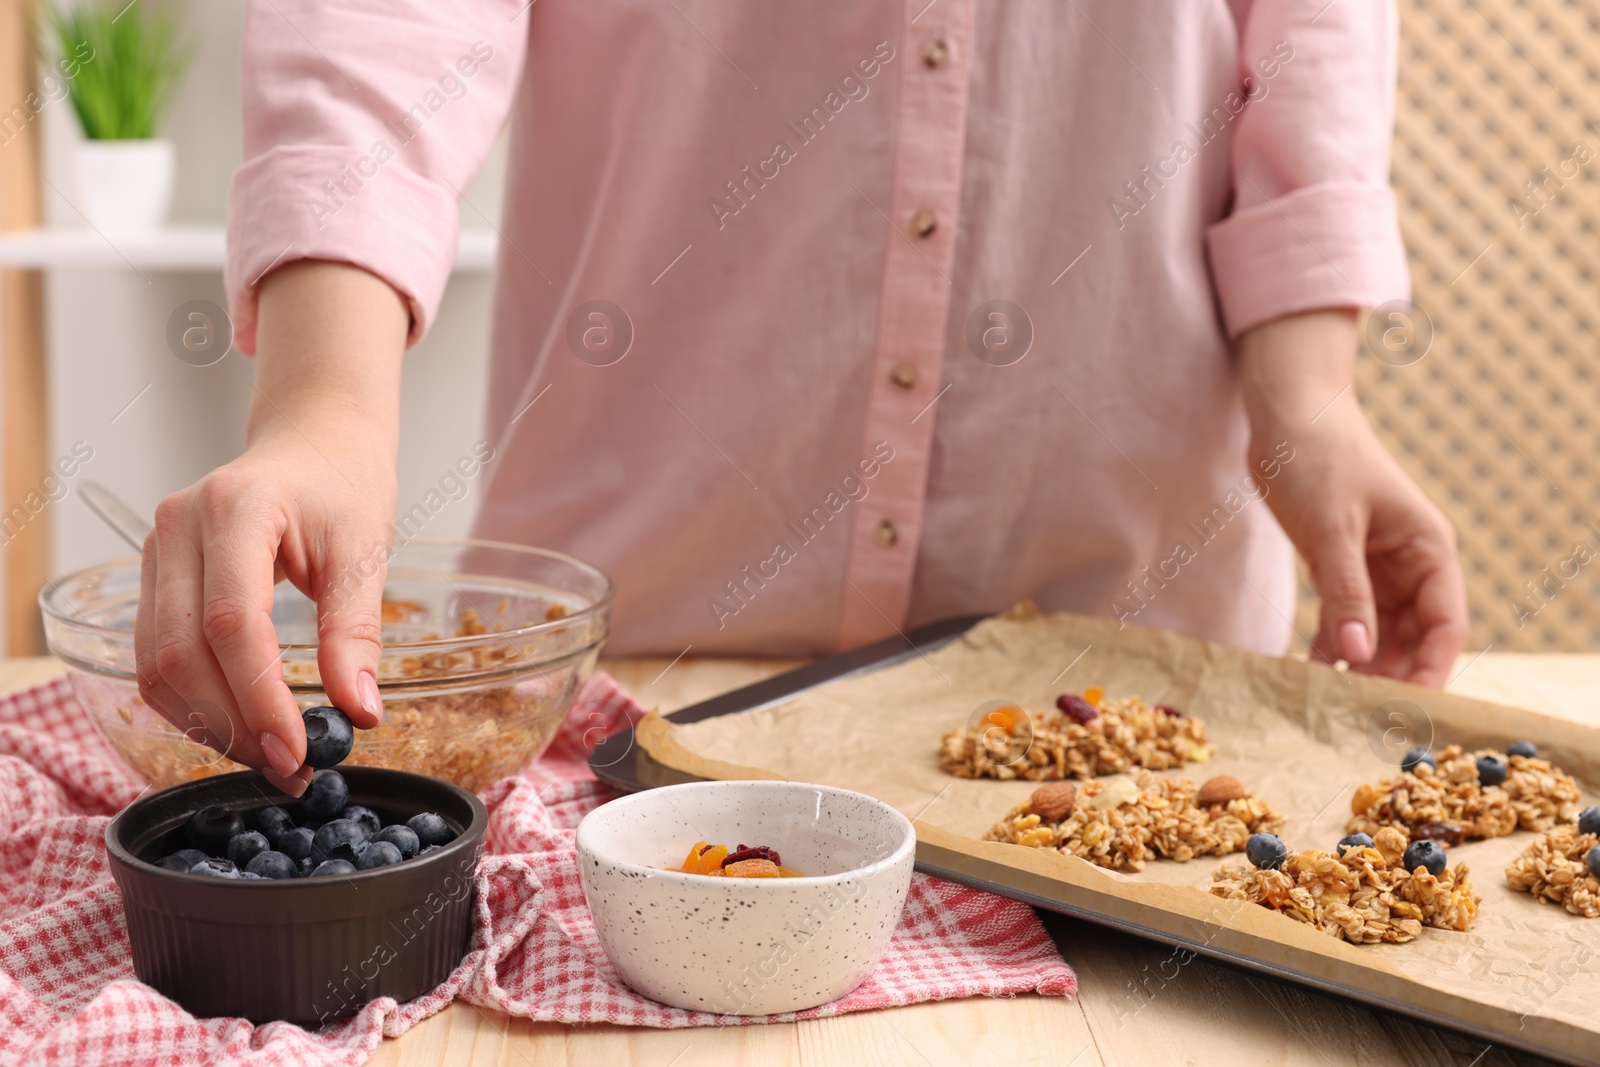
(128, 524)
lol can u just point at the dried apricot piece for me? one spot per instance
(1094, 694)
(710, 859)
(789, 872)
(1005, 718)
(689, 861)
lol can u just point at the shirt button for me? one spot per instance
(936, 55)
(887, 534)
(905, 376)
(924, 223)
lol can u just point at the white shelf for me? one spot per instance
(178, 248)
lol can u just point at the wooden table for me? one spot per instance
(1126, 1013)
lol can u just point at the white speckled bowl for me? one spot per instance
(746, 946)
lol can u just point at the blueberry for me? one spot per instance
(329, 737)
(303, 868)
(365, 816)
(1354, 841)
(338, 835)
(328, 867)
(272, 821)
(271, 865)
(246, 847)
(1416, 756)
(403, 838)
(377, 854)
(174, 863)
(1266, 851)
(1426, 854)
(296, 843)
(430, 848)
(326, 796)
(190, 856)
(215, 869)
(1525, 749)
(252, 877)
(1593, 860)
(211, 828)
(1491, 770)
(431, 829)
(1589, 821)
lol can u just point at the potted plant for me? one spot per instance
(128, 62)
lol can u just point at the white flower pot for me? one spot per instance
(125, 186)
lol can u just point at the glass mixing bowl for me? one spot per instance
(485, 646)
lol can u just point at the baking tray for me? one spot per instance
(620, 762)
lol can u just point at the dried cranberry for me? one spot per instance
(1076, 708)
(1167, 709)
(1447, 832)
(760, 852)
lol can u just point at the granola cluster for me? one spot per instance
(1365, 896)
(1553, 869)
(1123, 822)
(1449, 805)
(1103, 737)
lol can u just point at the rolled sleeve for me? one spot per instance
(1313, 222)
(362, 120)
(396, 224)
(1336, 244)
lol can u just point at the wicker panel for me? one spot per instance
(1498, 420)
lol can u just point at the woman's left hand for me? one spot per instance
(1383, 557)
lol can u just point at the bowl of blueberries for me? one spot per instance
(361, 888)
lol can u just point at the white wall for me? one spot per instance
(107, 342)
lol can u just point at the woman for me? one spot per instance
(814, 325)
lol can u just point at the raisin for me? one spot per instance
(1076, 708)
(759, 852)
(1446, 832)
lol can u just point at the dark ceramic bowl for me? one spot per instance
(304, 950)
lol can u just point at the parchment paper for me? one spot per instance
(1301, 735)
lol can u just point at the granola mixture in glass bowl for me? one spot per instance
(485, 646)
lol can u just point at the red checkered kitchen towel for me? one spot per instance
(68, 994)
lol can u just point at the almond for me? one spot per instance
(1054, 801)
(1114, 793)
(1219, 790)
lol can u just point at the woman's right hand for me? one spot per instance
(311, 500)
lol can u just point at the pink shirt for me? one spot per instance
(837, 319)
